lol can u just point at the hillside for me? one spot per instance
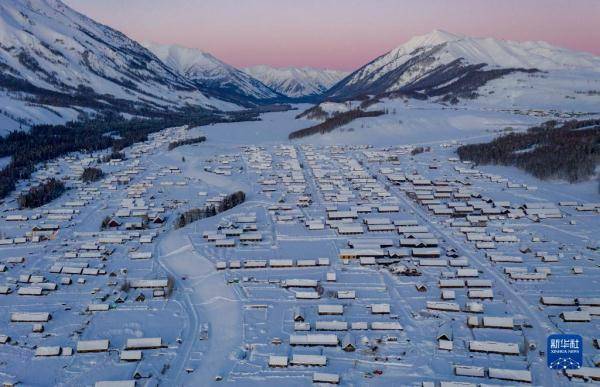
(214, 77)
(301, 83)
(57, 63)
(570, 151)
(450, 67)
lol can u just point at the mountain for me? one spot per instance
(296, 82)
(441, 64)
(58, 63)
(214, 77)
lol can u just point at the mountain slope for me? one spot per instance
(55, 56)
(441, 64)
(213, 76)
(296, 82)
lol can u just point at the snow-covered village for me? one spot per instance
(431, 219)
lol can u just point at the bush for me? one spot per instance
(91, 174)
(114, 155)
(41, 194)
(188, 141)
(125, 286)
(105, 222)
(419, 149)
(195, 214)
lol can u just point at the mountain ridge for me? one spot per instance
(426, 63)
(296, 82)
(67, 63)
(213, 76)
(59, 65)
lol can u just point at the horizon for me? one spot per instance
(337, 35)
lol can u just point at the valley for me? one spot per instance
(398, 258)
(205, 201)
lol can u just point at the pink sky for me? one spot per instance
(339, 34)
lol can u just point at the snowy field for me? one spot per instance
(350, 260)
(418, 122)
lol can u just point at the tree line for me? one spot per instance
(334, 122)
(188, 141)
(113, 155)
(108, 130)
(195, 214)
(415, 151)
(91, 174)
(42, 194)
(570, 151)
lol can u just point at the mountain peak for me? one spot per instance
(425, 60)
(493, 52)
(435, 37)
(185, 56)
(296, 82)
(431, 39)
(212, 75)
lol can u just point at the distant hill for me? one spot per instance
(296, 82)
(57, 63)
(214, 77)
(449, 67)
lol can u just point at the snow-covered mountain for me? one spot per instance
(213, 76)
(296, 82)
(441, 64)
(54, 56)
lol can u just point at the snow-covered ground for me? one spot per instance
(273, 128)
(19, 115)
(223, 320)
(414, 122)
